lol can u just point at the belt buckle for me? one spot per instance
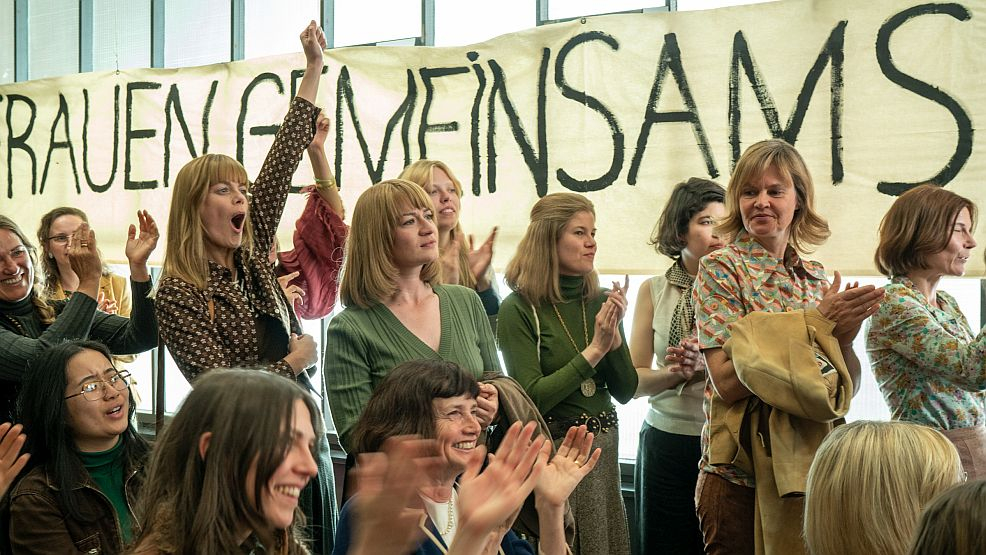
(593, 424)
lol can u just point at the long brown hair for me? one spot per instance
(421, 173)
(954, 523)
(38, 296)
(193, 504)
(533, 271)
(52, 279)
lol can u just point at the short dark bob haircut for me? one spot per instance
(687, 199)
(402, 403)
(918, 225)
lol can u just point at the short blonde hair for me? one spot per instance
(868, 484)
(533, 271)
(808, 228)
(917, 225)
(369, 274)
(184, 255)
(954, 523)
(421, 174)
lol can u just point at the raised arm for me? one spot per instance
(313, 44)
(270, 189)
(319, 237)
(325, 182)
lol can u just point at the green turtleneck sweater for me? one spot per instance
(106, 469)
(552, 374)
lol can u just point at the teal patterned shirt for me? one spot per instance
(929, 366)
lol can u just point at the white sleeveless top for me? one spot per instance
(671, 411)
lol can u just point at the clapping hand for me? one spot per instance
(685, 359)
(489, 501)
(387, 503)
(480, 259)
(10, 463)
(849, 308)
(573, 462)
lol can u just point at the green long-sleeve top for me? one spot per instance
(553, 373)
(362, 346)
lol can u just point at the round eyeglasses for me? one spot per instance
(93, 390)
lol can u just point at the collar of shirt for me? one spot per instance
(793, 264)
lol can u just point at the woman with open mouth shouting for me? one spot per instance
(31, 322)
(929, 365)
(219, 301)
(87, 460)
(215, 485)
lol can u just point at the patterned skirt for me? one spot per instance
(597, 504)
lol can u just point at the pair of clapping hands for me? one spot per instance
(606, 333)
(390, 510)
(85, 260)
(848, 308)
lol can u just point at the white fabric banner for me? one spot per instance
(877, 95)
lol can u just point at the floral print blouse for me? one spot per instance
(734, 281)
(929, 366)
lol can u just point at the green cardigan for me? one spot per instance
(553, 376)
(362, 346)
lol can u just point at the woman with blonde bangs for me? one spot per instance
(219, 300)
(771, 223)
(461, 264)
(927, 362)
(571, 370)
(869, 483)
(397, 308)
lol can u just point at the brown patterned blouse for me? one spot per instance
(249, 320)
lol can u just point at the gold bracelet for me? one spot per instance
(324, 183)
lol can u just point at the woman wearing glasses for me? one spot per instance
(59, 279)
(30, 322)
(86, 457)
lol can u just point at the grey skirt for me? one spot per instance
(597, 503)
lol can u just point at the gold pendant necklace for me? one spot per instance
(588, 385)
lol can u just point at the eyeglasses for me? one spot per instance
(93, 390)
(60, 239)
